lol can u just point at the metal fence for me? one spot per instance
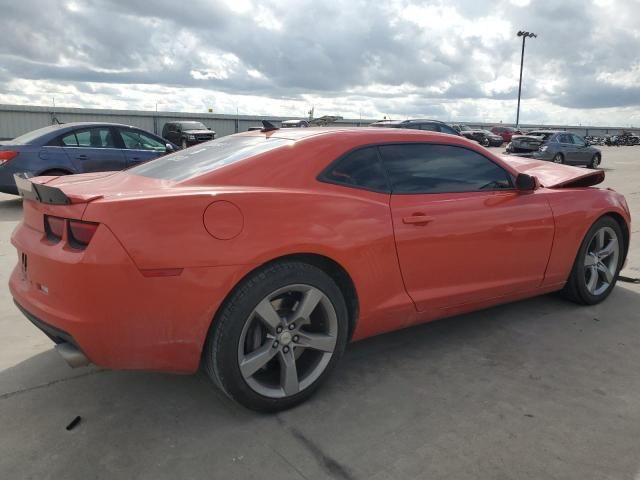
(18, 119)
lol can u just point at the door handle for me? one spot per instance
(417, 219)
(82, 157)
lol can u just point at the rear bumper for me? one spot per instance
(100, 302)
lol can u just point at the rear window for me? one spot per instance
(207, 157)
(34, 135)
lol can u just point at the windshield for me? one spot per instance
(192, 126)
(207, 157)
(31, 136)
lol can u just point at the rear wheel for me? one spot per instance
(55, 173)
(597, 264)
(595, 161)
(558, 158)
(184, 143)
(485, 142)
(278, 336)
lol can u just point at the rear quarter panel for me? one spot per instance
(352, 227)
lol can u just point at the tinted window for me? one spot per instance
(192, 126)
(207, 157)
(578, 141)
(448, 129)
(565, 138)
(100, 137)
(136, 140)
(432, 127)
(361, 168)
(440, 169)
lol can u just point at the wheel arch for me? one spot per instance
(48, 171)
(626, 235)
(328, 265)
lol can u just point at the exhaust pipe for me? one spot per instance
(72, 355)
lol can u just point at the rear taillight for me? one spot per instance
(6, 155)
(54, 227)
(81, 233)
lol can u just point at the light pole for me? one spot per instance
(524, 36)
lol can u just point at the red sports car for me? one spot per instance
(506, 132)
(262, 254)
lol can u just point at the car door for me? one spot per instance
(463, 232)
(94, 149)
(583, 153)
(568, 148)
(140, 146)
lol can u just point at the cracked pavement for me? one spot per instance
(534, 389)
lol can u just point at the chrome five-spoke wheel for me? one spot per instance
(287, 341)
(601, 260)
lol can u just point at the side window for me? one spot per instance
(359, 169)
(432, 127)
(422, 168)
(136, 140)
(448, 129)
(578, 141)
(95, 138)
(69, 140)
(565, 138)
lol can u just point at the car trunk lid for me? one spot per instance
(68, 196)
(552, 175)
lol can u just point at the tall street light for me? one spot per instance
(524, 36)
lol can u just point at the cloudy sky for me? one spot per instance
(454, 60)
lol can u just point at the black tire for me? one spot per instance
(55, 173)
(486, 142)
(221, 358)
(576, 287)
(595, 161)
(558, 158)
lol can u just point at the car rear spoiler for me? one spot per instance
(39, 192)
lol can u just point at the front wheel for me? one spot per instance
(184, 143)
(595, 161)
(598, 263)
(485, 142)
(278, 336)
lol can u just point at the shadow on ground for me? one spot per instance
(536, 389)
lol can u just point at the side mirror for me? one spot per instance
(208, 128)
(169, 148)
(526, 183)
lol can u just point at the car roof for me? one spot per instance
(376, 134)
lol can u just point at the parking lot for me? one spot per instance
(536, 389)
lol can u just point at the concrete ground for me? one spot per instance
(538, 389)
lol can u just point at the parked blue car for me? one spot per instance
(77, 148)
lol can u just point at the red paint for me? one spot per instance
(412, 258)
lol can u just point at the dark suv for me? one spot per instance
(187, 133)
(430, 125)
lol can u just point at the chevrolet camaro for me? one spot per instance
(261, 255)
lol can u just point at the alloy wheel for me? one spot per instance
(287, 341)
(557, 158)
(601, 260)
